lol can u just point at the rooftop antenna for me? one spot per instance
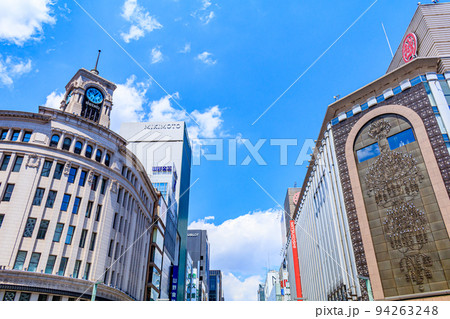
(94, 70)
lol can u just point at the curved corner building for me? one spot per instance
(76, 207)
(373, 219)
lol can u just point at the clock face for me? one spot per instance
(94, 95)
(69, 96)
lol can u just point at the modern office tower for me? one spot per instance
(215, 286)
(75, 205)
(165, 151)
(374, 206)
(261, 296)
(198, 248)
(272, 291)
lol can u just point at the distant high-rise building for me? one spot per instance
(261, 295)
(215, 286)
(165, 151)
(198, 248)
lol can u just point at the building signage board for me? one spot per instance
(298, 282)
(165, 169)
(173, 293)
(409, 48)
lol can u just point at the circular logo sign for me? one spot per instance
(409, 49)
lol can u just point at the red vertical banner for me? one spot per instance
(298, 282)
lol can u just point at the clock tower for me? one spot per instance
(89, 96)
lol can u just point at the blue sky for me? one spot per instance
(225, 62)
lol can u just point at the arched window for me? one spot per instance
(78, 147)
(88, 152)
(54, 141)
(66, 144)
(107, 159)
(98, 156)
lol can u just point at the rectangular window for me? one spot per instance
(115, 220)
(29, 227)
(50, 264)
(56, 298)
(46, 168)
(87, 269)
(34, 261)
(93, 238)
(2, 216)
(58, 232)
(76, 269)
(65, 202)
(25, 296)
(72, 175)
(94, 183)
(76, 205)
(38, 196)
(116, 252)
(103, 187)
(69, 236)
(20, 260)
(121, 223)
(401, 139)
(83, 238)
(8, 192)
(119, 194)
(82, 180)
(98, 213)
(26, 137)
(50, 199)
(105, 279)
(9, 296)
(62, 266)
(15, 135)
(58, 171)
(89, 209)
(4, 135)
(17, 164)
(111, 247)
(43, 229)
(5, 162)
(368, 152)
(42, 297)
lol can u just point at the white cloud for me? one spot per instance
(238, 290)
(11, 68)
(22, 20)
(209, 121)
(157, 55)
(140, 19)
(54, 100)
(203, 13)
(186, 49)
(207, 17)
(243, 246)
(205, 57)
(129, 99)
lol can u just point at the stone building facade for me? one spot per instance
(76, 206)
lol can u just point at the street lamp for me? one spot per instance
(369, 287)
(94, 290)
